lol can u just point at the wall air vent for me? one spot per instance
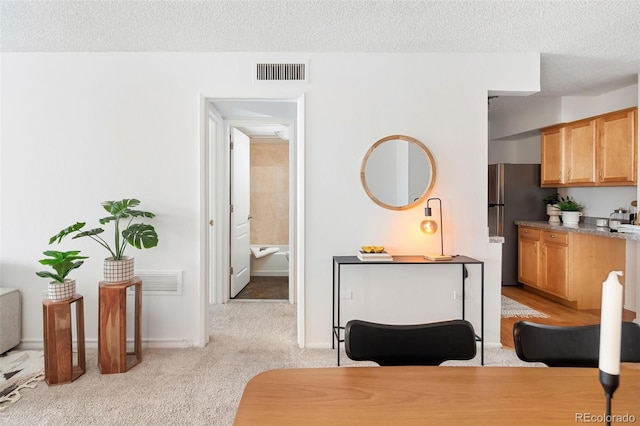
(160, 283)
(280, 72)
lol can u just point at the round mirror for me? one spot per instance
(398, 172)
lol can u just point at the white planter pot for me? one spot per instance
(62, 291)
(554, 214)
(571, 218)
(117, 271)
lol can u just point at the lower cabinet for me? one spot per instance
(554, 264)
(568, 266)
(528, 256)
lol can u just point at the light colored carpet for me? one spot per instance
(510, 308)
(189, 386)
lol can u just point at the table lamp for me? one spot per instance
(610, 337)
(429, 226)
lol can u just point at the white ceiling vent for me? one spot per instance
(160, 283)
(281, 72)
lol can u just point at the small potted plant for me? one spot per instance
(571, 210)
(62, 262)
(552, 199)
(553, 211)
(118, 267)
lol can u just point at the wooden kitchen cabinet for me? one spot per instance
(528, 259)
(618, 150)
(554, 267)
(580, 152)
(568, 267)
(597, 151)
(552, 143)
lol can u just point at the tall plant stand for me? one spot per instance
(112, 327)
(58, 341)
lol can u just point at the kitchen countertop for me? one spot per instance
(582, 229)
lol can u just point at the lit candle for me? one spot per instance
(611, 324)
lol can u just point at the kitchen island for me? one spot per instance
(569, 264)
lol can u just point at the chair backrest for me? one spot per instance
(576, 346)
(420, 344)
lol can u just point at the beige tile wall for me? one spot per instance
(269, 192)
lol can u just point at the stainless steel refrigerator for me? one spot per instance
(514, 194)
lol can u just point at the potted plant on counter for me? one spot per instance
(118, 267)
(571, 210)
(62, 262)
(553, 211)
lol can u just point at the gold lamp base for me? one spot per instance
(437, 257)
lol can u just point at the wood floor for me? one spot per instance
(558, 314)
(266, 288)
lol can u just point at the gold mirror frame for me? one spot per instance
(428, 185)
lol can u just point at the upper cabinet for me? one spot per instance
(598, 151)
(581, 152)
(552, 171)
(618, 152)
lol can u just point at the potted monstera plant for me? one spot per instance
(122, 213)
(62, 262)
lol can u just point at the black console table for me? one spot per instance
(339, 261)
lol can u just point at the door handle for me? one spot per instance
(249, 217)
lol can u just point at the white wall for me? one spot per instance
(81, 128)
(536, 112)
(579, 107)
(518, 150)
(601, 201)
(521, 117)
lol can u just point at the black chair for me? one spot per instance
(420, 344)
(577, 346)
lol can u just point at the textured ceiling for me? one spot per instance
(587, 47)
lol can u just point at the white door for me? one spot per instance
(240, 216)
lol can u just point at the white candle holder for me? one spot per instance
(610, 338)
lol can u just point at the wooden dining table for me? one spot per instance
(458, 395)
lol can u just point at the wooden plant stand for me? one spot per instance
(58, 344)
(112, 327)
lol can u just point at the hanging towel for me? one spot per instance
(259, 252)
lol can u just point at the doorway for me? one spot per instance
(260, 248)
(223, 115)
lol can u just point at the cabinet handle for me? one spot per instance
(559, 176)
(600, 174)
(569, 175)
(553, 235)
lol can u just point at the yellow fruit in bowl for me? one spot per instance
(367, 249)
(378, 249)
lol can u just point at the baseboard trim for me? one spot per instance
(93, 344)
